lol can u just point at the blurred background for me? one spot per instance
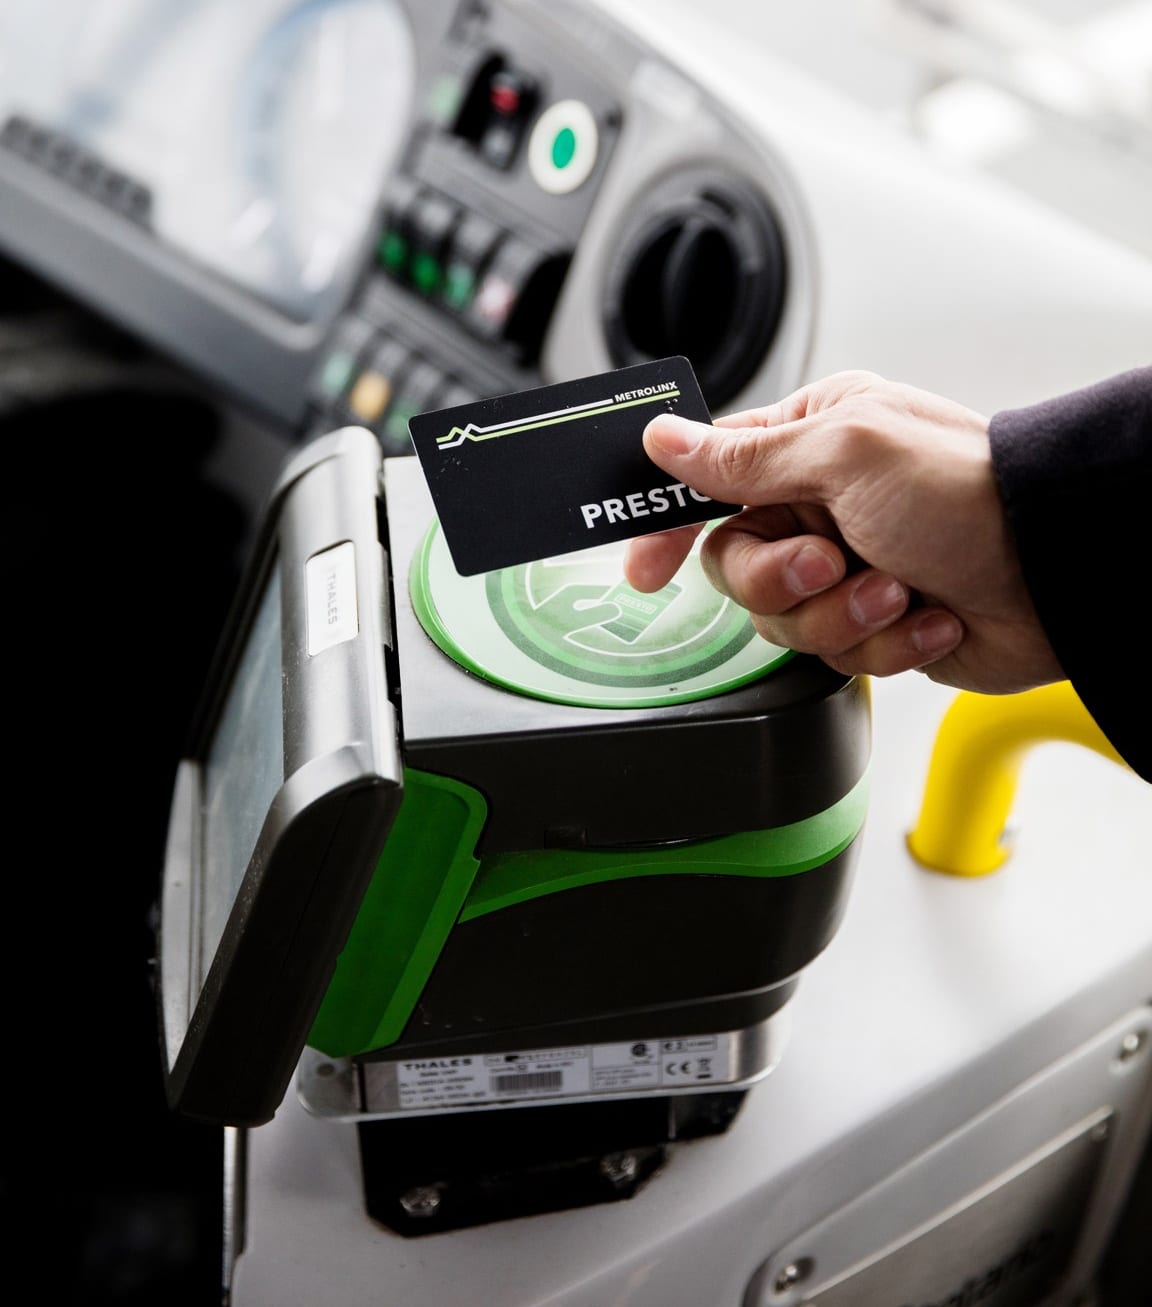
(1050, 97)
(133, 470)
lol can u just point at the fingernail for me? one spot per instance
(810, 571)
(877, 599)
(937, 634)
(676, 436)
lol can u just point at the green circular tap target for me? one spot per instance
(571, 630)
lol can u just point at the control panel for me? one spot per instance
(352, 211)
(478, 227)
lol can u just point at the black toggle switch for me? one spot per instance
(511, 100)
(431, 221)
(469, 251)
(516, 296)
(417, 391)
(341, 361)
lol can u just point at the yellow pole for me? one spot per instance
(974, 768)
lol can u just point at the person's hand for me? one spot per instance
(874, 535)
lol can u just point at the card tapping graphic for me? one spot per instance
(637, 611)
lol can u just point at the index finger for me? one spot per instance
(652, 561)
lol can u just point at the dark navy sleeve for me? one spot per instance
(1075, 475)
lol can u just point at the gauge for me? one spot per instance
(324, 102)
(263, 131)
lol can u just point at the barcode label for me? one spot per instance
(531, 1082)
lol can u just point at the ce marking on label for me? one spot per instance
(701, 1069)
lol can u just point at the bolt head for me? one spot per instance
(422, 1201)
(793, 1274)
(1132, 1044)
(619, 1168)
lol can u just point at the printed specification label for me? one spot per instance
(641, 1064)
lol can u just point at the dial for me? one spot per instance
(264, 131)
(324, 106)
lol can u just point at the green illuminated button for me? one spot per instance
(336, 374)
(429, 223)
(426, 273)
(469, 252)
(563, 147)
(459, 286)
(417, 391)
(571, 629)
(353, 337)
(394, 432)
(392, 251)
(394, 245)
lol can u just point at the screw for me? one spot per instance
(1132, 1044)
(423, 1201)
(325, 1069)
(619, 1168)
(793, 1274)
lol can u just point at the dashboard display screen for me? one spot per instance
(243, 771)
(263, 130)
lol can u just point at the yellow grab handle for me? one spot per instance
(975, 765)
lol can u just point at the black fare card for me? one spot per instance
(558, 469)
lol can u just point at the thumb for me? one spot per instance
(747, 465)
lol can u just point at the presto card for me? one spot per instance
(558, 469)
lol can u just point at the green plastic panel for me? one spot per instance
(428, 879)
(781, 851)
(420, 884)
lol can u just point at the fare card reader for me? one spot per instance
(521, 869)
